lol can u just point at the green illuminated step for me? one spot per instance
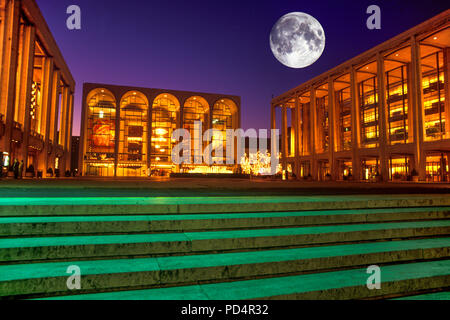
(22, 249)
(23, 226)
(187, 205)
(39, 278)
(429, 296)
(347, 284)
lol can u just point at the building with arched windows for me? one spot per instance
(36, 92)
(127, 131)
(383, 115)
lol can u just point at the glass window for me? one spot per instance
(101, 125)
(196, 110)
(165, 115)
(133, 135)
(369, 112)
(397, 104)
(434, 96)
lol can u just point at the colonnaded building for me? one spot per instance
(384, 113)
(37, 88)
(127, 131)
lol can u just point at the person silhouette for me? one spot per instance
(16, 168)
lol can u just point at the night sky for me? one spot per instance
(214, 46)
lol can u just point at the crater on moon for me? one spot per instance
(297, 40)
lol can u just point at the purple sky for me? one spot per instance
(213, 46)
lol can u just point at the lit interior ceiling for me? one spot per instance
(342, 82)
(366, 71)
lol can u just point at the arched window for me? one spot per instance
(196, 109)
(100, 147)
(165, 114)
(133, 135)
(223, 117)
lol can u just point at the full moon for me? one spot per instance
(297, 40)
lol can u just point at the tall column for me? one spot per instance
(313, 134)
(53, 107)
(47, 105)
(297, 137)
(63, 127)
(69, 132)
(273, 122)
(63, 116)
(117, 135)
(300, 132)
(383, 136)
(331, 129)
(9, 65)
(284, 146)
(25, 86)
(356, 136)
(447, 91)
(417, 107)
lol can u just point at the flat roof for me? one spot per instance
(87, 86)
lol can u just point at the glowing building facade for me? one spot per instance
(36, 91)
(383, 115)
(127, 131)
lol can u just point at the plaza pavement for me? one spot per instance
(189, 187)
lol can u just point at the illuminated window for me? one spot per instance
(322, 125)
(397, 104)
(433, 87)
(196, 109)
(344, 107)
(304, 124)
(133, 135)
(99, 155)
(165, 113)
(222, 119)
(368, 105)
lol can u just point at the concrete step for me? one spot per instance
(399, 279)
(75, 247)
(64, 206)
(73, 225)
(97, 275)
(428, 296)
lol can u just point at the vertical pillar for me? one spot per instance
(447, 91)
(25, 86)
(150, 131)
(273, 122)
(284, 146)
(83, 132)
(117, 135)
(356, 129)
(48, 88)
(331, 130)
(383, 136)
(417, 107)
(313, 134)
(52, 119)
(306, 132)
(297, 136)
(69, 133)
(9, 66)
(63, 127)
